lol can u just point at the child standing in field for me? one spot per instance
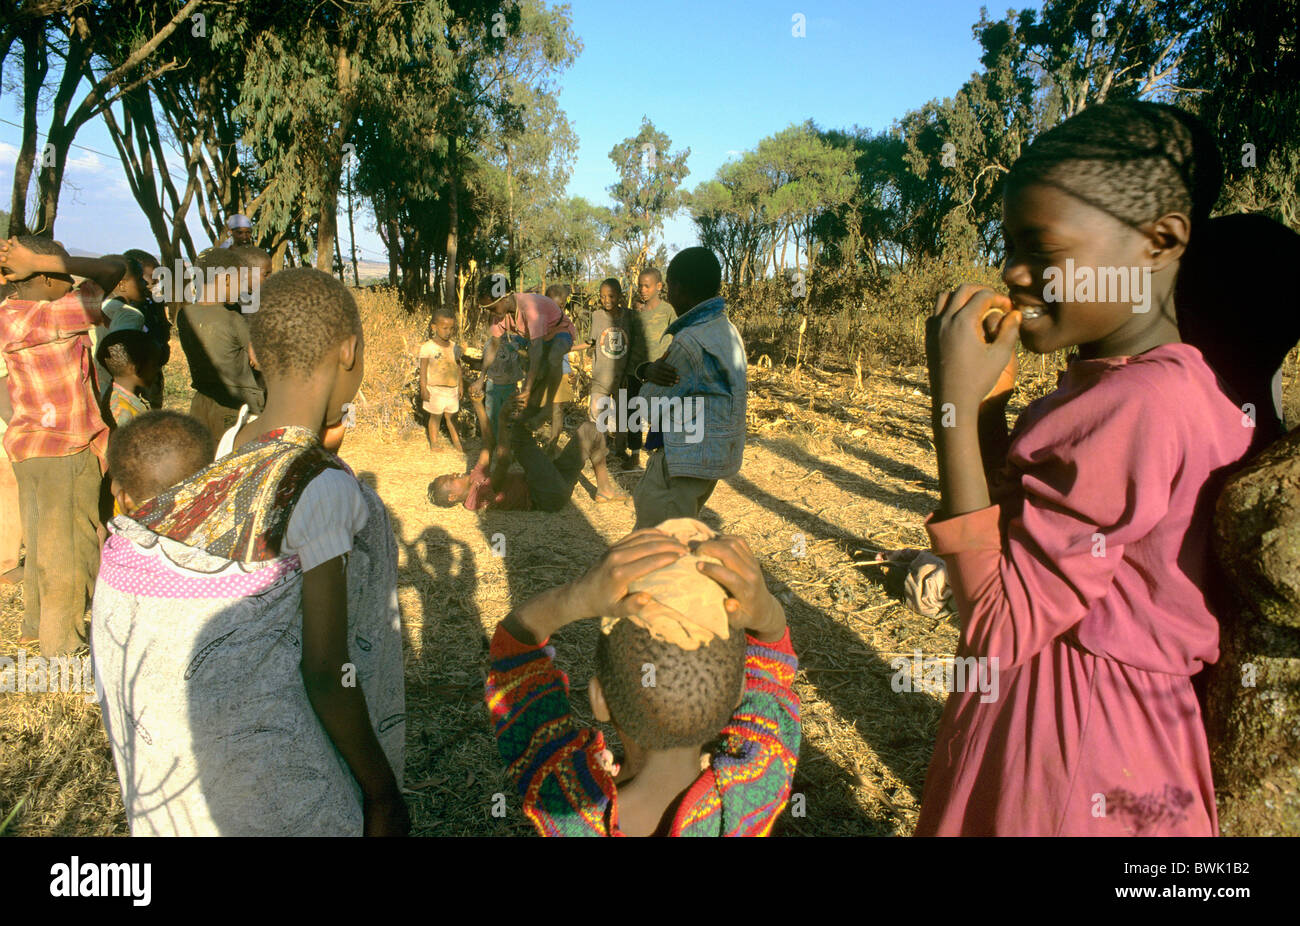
(710, 745)
(705, 368)
(441, 380)
(56, 437)
(247, 634)
(648, 340)
(609, 346)
(1077, 549)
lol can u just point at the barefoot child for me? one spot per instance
(648, 340)
(609, 344)
(709, 747)
(247, 631)
(442, 382)
(1080, 581)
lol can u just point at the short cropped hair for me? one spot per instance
(613, 283)
(440, 491)
(694, 692)
(443, 311)
(560, 292)
(154, 451)
(651, 272)
(1134, 160)
(123, 350)
(304, 314)
(248, 255)
(697, 272)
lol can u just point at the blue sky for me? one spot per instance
(715, 76)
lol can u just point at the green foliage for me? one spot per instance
(648, 190)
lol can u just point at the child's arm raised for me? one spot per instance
(342, 708)
(22, 262)
(601, 591)
(963, 369)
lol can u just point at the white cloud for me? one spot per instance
(8, 154)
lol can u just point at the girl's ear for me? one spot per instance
(1167, 239)
(596, 695)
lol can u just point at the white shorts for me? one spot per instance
(442, 400)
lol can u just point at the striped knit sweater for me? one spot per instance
(566, 791)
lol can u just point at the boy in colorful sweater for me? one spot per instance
(703, 705)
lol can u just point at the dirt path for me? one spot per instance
(821, 477)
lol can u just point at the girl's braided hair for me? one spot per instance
(1134, 160)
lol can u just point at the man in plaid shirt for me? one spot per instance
(56, 437)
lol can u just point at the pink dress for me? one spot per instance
(1086, 586)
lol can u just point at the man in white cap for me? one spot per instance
(239, 229)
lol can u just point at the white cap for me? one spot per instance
(239, 221)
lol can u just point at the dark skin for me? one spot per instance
(540, 385)
(661, 372)
(46, 277)
(1043, 226)
(650, 780)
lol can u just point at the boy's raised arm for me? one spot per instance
(342, 708)
(23, 262)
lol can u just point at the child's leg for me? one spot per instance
(658, 496)
(588, 446)
(452, 434)
(484, 421)
(431, 431)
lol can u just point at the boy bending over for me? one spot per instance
(694, 669)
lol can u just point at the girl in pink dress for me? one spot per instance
(1077, 545)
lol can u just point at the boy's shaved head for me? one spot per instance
(155, 451)
(249, 256)
(694, 693)
(122, 350)
(304, 314)
(651, 272)
(443, 311)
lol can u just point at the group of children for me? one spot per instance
(246, 633)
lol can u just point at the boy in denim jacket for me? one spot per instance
(697, 394)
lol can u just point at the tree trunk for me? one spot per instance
(453, 227)
(352, 237)
(327, 222)
(35, 66)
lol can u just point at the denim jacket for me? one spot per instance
(704, 437)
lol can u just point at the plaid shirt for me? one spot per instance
(51, 375)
